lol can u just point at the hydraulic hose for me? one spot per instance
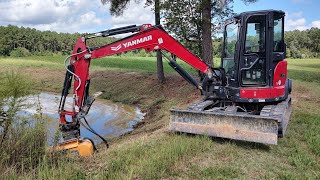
(89, 128)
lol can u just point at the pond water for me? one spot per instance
(106, 118)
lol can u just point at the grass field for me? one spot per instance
(152, 153)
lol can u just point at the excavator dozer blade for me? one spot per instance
(264, 128)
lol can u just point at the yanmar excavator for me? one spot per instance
(247, 98)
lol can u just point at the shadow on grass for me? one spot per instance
(242, 144)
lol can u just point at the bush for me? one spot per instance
(22, 141)
(20, 52)
(43, 53)
(24, 147)
(294, 52)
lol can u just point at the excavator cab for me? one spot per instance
(253, 45)
(250, 99)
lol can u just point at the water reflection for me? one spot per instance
(107, 118)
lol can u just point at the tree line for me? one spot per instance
(21, 41)
(303, 44)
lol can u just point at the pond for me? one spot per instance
(106, 118)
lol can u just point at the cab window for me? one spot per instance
(278, 42)
(255, 35)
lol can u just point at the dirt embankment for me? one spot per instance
(144, 90)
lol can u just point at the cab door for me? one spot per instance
(254, 52)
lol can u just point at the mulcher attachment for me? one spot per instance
(82, 147)
(73, 143)
(227, 122)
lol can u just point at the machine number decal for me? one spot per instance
(160, 40)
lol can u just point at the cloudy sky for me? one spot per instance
(300, 14)
(92, 16)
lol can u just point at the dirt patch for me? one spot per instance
(144, 90)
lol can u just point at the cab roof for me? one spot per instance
(239, 16)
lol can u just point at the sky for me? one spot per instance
(91, 16)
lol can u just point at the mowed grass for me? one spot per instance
(307, 70)
(157, 154)
(300, 69)
(119, 63)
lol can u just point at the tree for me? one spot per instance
(118, 6)
(207, 51)
(303, 44)
(193, 22)
(160, 72)
(181, 18)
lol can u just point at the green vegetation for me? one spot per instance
(150, 152)
(22, 143)
(40, 42)
(20, 52)
(119, 63)
(307, 70)
(162, 152)
(303, 44)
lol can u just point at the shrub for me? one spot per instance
(24, 146)
(20, 52)
(43, 53)
(22, 141)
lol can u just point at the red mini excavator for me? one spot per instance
(247, 98)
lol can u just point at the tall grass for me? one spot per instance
(22, 143)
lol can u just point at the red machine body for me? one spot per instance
(279, 85)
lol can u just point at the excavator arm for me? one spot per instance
(146, 37)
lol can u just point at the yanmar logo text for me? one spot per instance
(132, 43)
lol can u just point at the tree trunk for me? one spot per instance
(207, 50)
(160, 72)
